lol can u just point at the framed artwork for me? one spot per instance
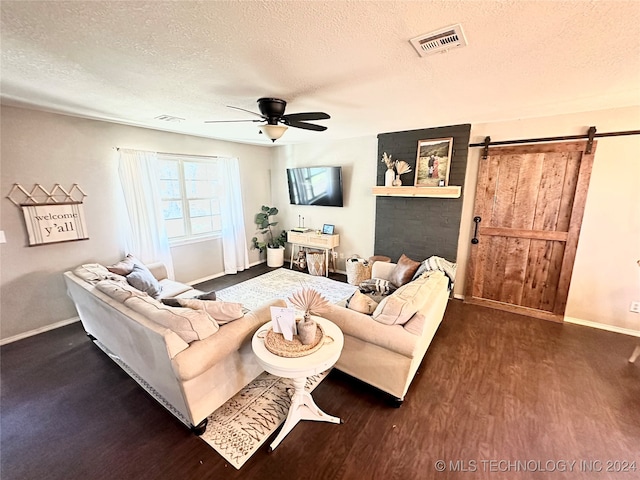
(327, 229)
(55, 222)
(433, 162)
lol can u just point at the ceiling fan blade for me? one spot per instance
(231, 121)
(305, 125)
(307, 116)
(245, 110)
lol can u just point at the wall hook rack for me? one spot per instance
(39, 195)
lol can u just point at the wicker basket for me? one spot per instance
(358, 270)
(315, 263)
(276, 344)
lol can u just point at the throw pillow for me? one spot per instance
(142, 279)
(94, 272)
(361, 303)
(189, 324)
(221, 312)
(403, 271)
(124, 267)
(172, 302)
(397, 309)
(118, 290)
(377, 285)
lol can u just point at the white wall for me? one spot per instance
(606, 277)
(46, 148)
(355, 220)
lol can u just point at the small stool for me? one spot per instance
(378, 258)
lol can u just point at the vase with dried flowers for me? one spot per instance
(390, 174)
(309, 301)
(402, 167)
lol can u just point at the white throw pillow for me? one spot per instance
(190, 325)
(118, 290)
(94, 272)
(222, 312)
(359, 302)
(399, 307)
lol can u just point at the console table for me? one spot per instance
(313, 240)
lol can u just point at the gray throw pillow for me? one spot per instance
(142, 279)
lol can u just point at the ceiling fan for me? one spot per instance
(272, 112)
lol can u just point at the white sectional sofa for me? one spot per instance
(190, 379)
(387, 356)
(192, 365)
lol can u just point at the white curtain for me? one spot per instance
(147, 237)
(234, 239)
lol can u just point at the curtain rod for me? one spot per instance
(179, 154)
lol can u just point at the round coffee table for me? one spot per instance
(302, 405)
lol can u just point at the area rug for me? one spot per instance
(239, 427)
(282, 283)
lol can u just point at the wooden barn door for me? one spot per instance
(530, 201)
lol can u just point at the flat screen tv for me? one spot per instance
(315, 186)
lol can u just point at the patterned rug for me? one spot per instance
(282, 283)
(239, 427)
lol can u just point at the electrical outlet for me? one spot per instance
(635, 307)
(341, 255)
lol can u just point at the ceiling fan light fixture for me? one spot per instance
(273, 132)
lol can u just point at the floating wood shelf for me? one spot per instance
(434, 192)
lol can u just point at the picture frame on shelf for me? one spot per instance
(327, 229)
(433, 162)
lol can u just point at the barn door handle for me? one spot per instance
(475, 240)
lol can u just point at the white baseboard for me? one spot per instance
(205, 279)
(218, 275)
(588, 323)
(31, 333)
(602, 326)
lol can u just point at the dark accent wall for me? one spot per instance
(420, 227)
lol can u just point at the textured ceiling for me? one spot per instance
(129, 62)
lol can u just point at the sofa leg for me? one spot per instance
(397, 402)
(201, 427)
(91, 337)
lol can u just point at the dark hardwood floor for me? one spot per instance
(494, 389)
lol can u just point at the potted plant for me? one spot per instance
(273, 245)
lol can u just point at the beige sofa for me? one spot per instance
(388, 356)
(191, 379)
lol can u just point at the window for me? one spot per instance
(189, 188)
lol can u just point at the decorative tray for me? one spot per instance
(276, 344)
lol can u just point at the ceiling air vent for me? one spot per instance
(169, 118)
(439, 41)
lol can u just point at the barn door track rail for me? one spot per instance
(590, 136)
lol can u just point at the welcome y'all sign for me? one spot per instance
(53, 223)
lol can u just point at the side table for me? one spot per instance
(302, 405)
